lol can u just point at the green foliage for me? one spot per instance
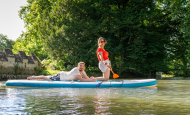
(49, 72)
(179, 69)
(37, 70)
(30, 45)
(46, 63)
(5, 42)
(54, 65)
(143, 36)
(16, 68)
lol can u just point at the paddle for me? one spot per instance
(114, 75)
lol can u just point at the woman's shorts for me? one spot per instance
(55, 77)
(104, 67)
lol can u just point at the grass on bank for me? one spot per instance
(173, 77)
(49, 72)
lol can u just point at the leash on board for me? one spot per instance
(99, 84)
(122, 83)
(110, 83)
(119, 81)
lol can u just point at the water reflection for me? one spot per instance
(170, 97)
(67, 100)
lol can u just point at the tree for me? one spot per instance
(5, 42)
(30, 41)
(177, 11)
(29, 45)
(143, 36)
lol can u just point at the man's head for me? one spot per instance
(81, 66)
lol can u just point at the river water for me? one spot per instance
(169, 97)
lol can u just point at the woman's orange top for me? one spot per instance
(104, 52)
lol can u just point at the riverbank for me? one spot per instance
(174, 78)
(96, 74)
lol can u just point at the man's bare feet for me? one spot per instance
(31, 77)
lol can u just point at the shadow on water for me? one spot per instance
(66, 100)
(163, 99)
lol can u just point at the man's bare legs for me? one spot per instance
(105, 77)
(42, 77)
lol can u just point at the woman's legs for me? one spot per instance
(38, 77)
(106, 76)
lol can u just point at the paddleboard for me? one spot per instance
(79, 84)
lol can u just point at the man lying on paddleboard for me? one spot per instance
(75, 74)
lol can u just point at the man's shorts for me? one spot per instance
(55, 77)
(104, 67)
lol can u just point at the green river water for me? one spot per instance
(169, 97)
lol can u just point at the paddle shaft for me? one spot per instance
(110, 69)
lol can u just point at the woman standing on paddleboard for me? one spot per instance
(103, 58)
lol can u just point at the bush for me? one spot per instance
(46, 63)
(53, 65)
(49, 72)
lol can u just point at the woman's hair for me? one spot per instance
(101, 38)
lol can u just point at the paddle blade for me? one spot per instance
(115, 76)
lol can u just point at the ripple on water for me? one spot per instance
(165, 99)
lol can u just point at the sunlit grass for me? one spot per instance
(49, 72)
(167, 75)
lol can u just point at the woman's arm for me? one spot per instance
(101, 56)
